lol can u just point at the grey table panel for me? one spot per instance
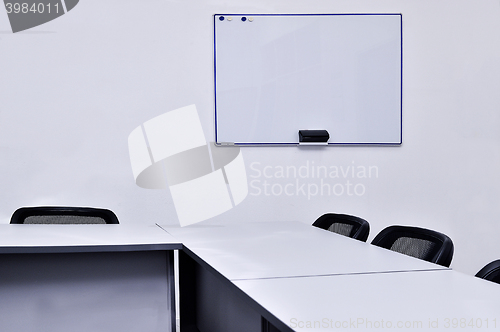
(86, 278)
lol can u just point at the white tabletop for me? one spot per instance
(430, 300)
(68, 238)
(288, 249)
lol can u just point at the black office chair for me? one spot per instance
(63, 215)
(490, 272)
(344, 224)
(421, 243)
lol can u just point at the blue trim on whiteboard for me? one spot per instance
(217, 143)
(401, 97)
(215, 82)
(310, 14)
(222, 144)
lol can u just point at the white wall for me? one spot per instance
(73, 89)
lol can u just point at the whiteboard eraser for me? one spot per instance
(313, 136)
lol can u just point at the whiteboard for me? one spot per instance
(278, 74)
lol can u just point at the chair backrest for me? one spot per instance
(421, 243)
(490, 272)
(351, 226)
(63, 215)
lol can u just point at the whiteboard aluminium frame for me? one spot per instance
(375, 67)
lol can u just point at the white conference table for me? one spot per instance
(255, 277)
(287, 249)
(217, 262)
(410, 301)
(86, 278)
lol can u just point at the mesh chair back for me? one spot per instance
(351, 226)
(63, 215)
(490, 272)
(417, 242)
